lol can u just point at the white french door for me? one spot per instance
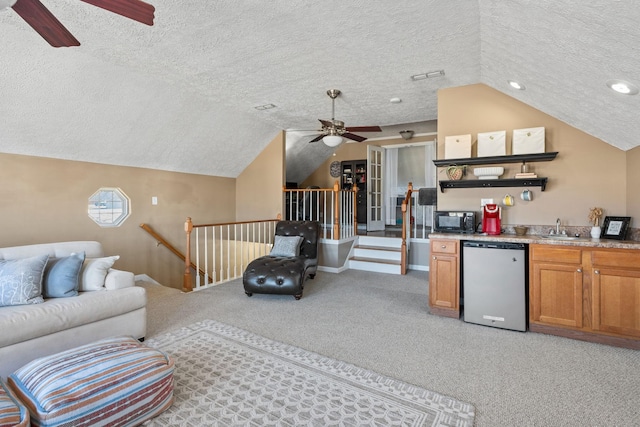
(375, 167)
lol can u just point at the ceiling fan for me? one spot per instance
(333, 131)
(43, 21)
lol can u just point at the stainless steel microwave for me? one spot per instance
(454, 222)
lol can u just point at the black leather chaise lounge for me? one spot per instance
(293, 258)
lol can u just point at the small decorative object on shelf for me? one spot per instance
(594, 217)
(455, 173)
(488, 173)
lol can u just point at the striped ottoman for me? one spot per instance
(114, 382)
(12, 412)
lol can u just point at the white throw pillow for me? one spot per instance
(286, 246)
(94, 271)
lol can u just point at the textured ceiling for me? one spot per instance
(180, 95)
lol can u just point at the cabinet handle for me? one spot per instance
(579, 270)
(443, 247)
(435, 257)
(597, 271)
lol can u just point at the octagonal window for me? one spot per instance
(109, 207)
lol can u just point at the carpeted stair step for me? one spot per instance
(376, 265)
(379, 254)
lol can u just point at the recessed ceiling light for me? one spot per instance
(514, 84)
(623, 87)
(265, 107)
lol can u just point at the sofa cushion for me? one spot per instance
(286, 246)
(61, 276)
(22, 323)
(21, 280)
(12, 411)
(94, 272)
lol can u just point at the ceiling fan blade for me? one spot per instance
(40, 19)
(317, 138)
(364, 129)
(354, 136)
(132, 9)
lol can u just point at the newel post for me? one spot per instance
(336, 210)
(186, 284)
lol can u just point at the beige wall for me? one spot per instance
(633, 186)
(45, 200)
(356, 151)
(259, 186)
(587, 172)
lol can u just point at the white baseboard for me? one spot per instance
(418, 267)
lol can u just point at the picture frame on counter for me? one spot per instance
(615, 227)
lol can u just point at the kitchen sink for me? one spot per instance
(561, 237)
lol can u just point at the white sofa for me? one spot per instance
(35, 330)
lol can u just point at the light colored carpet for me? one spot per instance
(382, 322)
(229, 376)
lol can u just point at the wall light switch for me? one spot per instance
(154, 200)
(486, 202)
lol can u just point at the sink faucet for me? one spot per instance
(558, 226)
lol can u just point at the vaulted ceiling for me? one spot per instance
(181, 95)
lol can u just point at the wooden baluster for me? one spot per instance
(336, 211)
(355, 210)
(186, 284)
(403, 253)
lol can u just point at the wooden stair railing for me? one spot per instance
(187, 285)
(406, 205)
(332, 209)
(162, 241)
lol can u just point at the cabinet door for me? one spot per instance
(555, 294)
(444, 285)
(616, 301)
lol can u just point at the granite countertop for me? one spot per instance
(537, 239)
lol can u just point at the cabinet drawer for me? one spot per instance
(561, 254)
(616, 258)
(445, 247)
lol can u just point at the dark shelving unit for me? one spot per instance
(516, 158)
(487, 183)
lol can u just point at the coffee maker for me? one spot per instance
(491, 214)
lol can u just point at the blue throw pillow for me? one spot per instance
(61, 276)
(21, 280)
(286, 246)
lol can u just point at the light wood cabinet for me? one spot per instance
(444, 278)
(586, 293)
(616, 292)
(555, 291)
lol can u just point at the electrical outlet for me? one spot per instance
(154, 200)
(485, 202)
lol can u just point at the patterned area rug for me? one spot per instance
(228, 376)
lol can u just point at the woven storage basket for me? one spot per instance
(455, 173)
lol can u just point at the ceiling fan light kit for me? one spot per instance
(332, 140)
(334, 131)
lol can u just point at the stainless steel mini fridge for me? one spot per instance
(494, 284)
